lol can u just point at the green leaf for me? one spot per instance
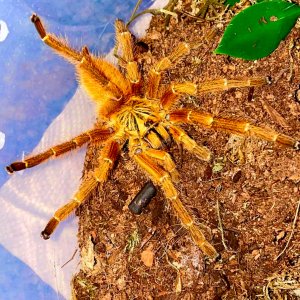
(257, 30)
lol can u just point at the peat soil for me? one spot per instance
(245, 199)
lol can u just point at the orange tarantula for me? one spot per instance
(142, 112)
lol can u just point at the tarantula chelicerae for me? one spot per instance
(142, 112)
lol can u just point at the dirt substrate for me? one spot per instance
(249, 191)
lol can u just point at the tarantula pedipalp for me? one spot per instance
(142, 112)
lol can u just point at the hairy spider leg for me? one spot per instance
(232, 126)
(153, 139)
(161, 177)
(92, 78)
(226, 84)
(103, 82)
(107, 158)
(161, 130)
(181, 137)
(164, 159)
(175, 91)
(94, 135)
(124, 40)
(154, 76)
(58, 44)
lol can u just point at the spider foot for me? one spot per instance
(38, 25)
(16, 166)
(198, 237)
(210, 251)
(44, 235)
(50, 227)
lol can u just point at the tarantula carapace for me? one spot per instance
(141, 112)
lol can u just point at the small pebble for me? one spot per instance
(237, 176)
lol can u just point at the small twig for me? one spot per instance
(292, 64)
(221, 226)
(167, 10)
(145, 241)
(135, 9)
(292, 233)
(170, 7)
(70, 258)
(274, 114)
(152, 11)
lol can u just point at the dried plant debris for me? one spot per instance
(198, 10)
(247, 195)
(282, 287)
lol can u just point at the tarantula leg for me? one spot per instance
(226, 84)
(232, 126)
(173, 94)
(154, 140)
(161, 177)
(124, 39)
(62, 213)
(189, 144)
(107, 158)
(164, 64)
(59, 45)
(99, 87)
(163, 133)
(164, 159)
(94, 135)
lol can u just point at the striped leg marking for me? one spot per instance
(94, 135)
(161, 177)
(173, 94)
(189, 144)
(108, 156)
(232, 126)
(57, 44)
(124, 39)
